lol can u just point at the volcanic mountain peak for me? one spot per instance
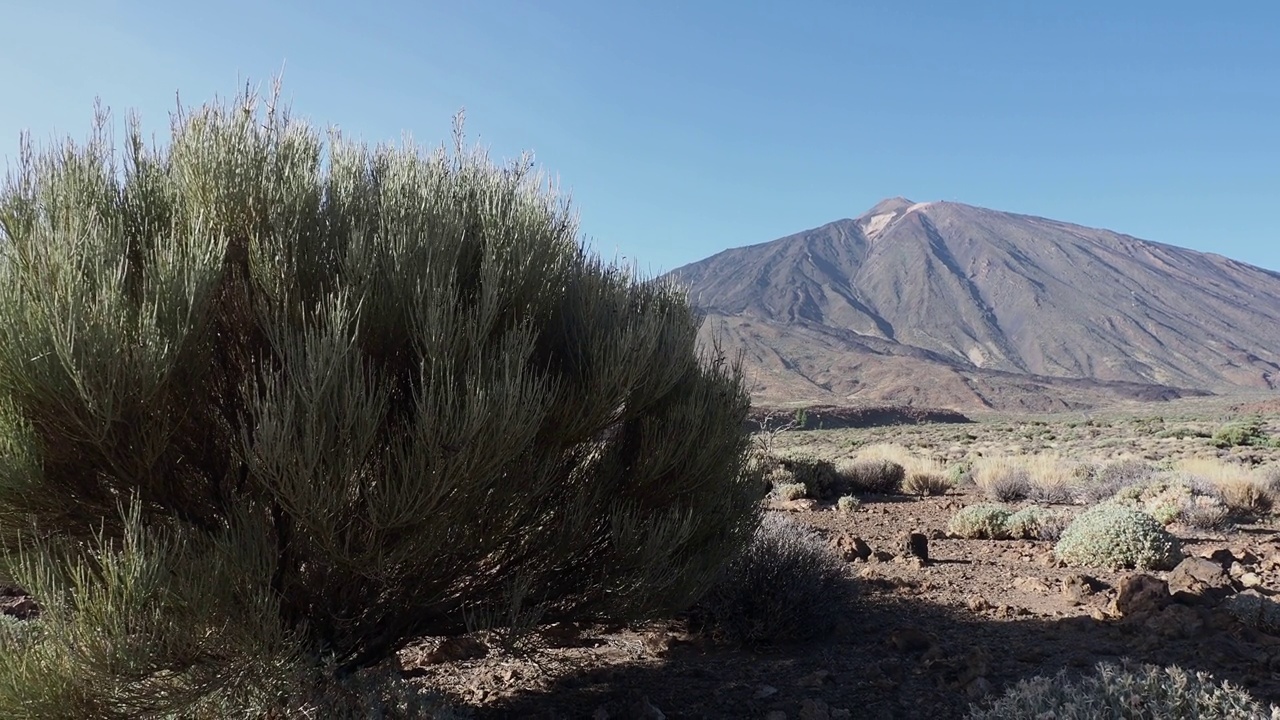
(885, 213)
(874, 221)
(962, 289)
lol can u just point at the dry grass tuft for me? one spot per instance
(926, 483)
(1246, 493)
(1045, 478)
(911, 461)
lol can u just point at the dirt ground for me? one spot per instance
(916, 639)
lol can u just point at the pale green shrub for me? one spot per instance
(848, 503)
(983, 521)
(820, 478)
(790, 491)
(1125, 692)
(1113, 536)
(960, 473)
(1037, 523)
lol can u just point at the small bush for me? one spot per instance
(773, 472)
(819, 476)
(789, 491)
(1269, 476)
(960, 473)
(1241, 434)
(16, 634)
(926, 483)
(1163, 497)
(1258, 611)
(1206, 513)
(1179, 497)
(883, 477)
(978, 522)
(1037, 523)
(1125, 692)
(1182, 433)
(1050, 491)
(1111, 478)
(779, 590)
(848, 503)
(1114, 536)
(1246, 498)
(1006, 484)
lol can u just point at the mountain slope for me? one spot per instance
(947, 291)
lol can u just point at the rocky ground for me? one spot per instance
(919, 638)
(922, 638)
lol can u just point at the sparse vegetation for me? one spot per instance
(1240, 434)
(1125, 692)
(977, 522)
(926, 483)
(1004, 484)
(819, 477)
(790, 491)
(1037, 523)
(848, 503)
(1114, 536)
(877, 477)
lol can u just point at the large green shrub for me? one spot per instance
(1114, 536)
(1125, 692)
(318, 398)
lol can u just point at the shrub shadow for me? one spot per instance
(894, 655)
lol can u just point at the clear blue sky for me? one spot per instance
(683, 128)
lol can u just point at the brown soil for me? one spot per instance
(916, 641)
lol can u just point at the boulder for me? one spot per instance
(914, 544)
(1141, 594)
(1198, 581)
(850, 547)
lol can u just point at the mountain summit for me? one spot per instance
(972, 304)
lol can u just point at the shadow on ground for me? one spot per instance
(894, 656)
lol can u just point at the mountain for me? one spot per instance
(959, 306)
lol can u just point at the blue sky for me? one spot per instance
(684, 128)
